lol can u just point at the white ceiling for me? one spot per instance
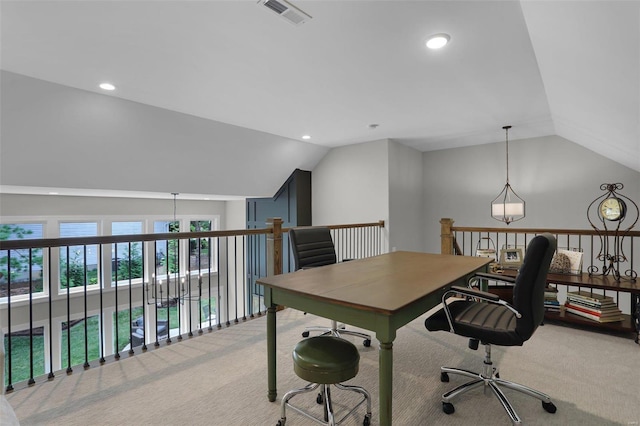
(570, 68)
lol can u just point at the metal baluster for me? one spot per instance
(86, 329)
(168, 292)
(31, 359)
(144, 303)
(131, 352)
(209, 294)
(218, 314)
(178, 283)
(9, 351)
(50, 286)
(69, 369)
(235, 275)
(115, 326)
(244, 277)
(102, 330)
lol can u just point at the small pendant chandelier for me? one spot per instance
(507, 207)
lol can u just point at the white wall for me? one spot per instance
(34, 206)
(351, 185)
(405, 198)
(558, 179)
(57, 136)
(235, 214)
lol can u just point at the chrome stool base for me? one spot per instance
(324, 397)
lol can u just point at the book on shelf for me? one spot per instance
(607, 306)
(551, 302)
(590, 297)
(550, 293)
(597, 318)
(594, 311)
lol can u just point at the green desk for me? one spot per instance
(381, 294)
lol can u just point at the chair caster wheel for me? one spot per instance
(367, 420)
(319, 399)
(280, 422)
(367, 343)
(305, 334)
(444, 377)
(549, 407)
(447, 407)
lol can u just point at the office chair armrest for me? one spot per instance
(473, 292)
(478, 294)
(493, 277)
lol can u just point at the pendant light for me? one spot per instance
(507, 207)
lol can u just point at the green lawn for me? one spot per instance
(21, 359)
(20, 345)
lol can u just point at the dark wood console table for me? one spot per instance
(465, 240)
(607, 283)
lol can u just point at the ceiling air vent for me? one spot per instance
(286, 10)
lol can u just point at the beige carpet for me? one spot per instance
(220, 379)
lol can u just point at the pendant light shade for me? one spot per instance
(507, 207)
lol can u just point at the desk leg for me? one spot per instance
(385, 360)
(271, 352)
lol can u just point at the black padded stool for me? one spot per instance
(324, 361)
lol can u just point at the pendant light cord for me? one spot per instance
(506, 129)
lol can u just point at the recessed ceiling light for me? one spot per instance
(306, 137)
(438, 41)
(53, 193)
(107, 86)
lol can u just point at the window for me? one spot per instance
(126, 259)
(21, 266)
(78, 264)
(199, 248)
(166, 251)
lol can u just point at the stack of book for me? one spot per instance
(551, 303)
(593, 306)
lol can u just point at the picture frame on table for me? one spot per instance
(511, 258)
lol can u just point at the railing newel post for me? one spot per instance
(274, 246)
(446, 236)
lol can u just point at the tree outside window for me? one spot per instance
(78, 264)
(23, 268)
(126, 259)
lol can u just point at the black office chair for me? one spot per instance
(313, 247)
(483, 317)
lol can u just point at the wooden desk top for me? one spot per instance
(384, 283)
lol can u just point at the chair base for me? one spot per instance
(324, 398)
(336, 331)
(490, 378)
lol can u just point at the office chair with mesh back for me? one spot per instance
(484, 318)
(313, 247)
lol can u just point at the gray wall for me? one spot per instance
(557, 178)
(379, 180)
(351, 185)
(57, 136)
(405, 198)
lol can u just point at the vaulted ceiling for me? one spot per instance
(570, 68)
